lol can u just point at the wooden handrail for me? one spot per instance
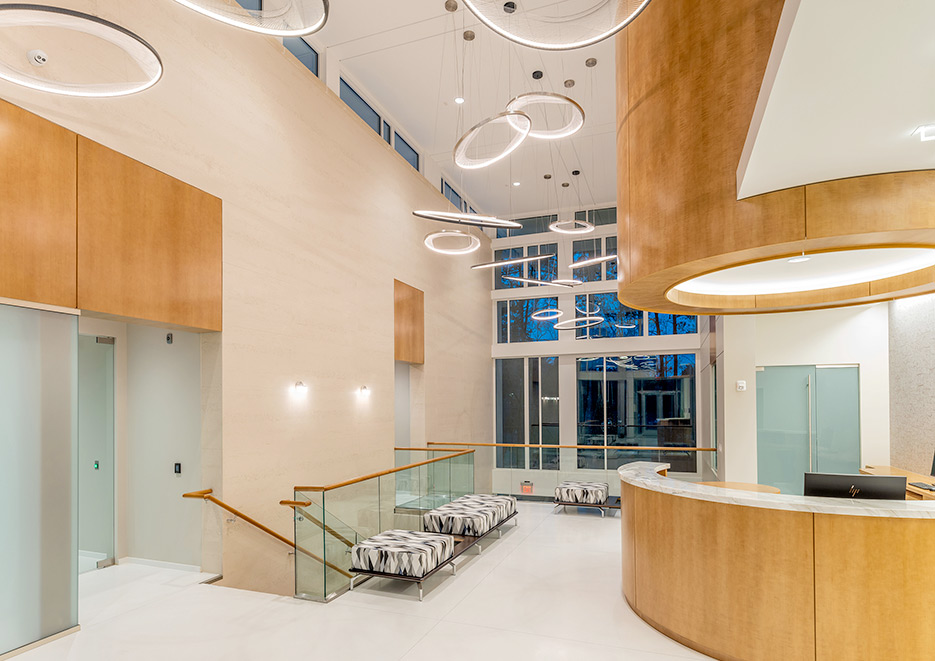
(672, 448)
(297, 506)
(205, 494)
(457, 453)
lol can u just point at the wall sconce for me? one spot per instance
(300, 389)
(364, 391)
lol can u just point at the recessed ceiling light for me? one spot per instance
(459, 100)
(926, 132)
(516, 183)
(798, 259)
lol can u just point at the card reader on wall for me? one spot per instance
(178, 469)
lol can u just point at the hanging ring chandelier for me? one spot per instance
(572, 126)
(460, 218)
(277, 18)
(436, 242)
(578, 323)
(50, 71)
(548, 28)
(571, 226)
(519, 123)
(546, 315)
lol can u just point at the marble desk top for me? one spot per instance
(645, 475)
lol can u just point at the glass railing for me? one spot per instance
(329, 520)
(533, 471)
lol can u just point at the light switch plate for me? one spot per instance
(741, 386)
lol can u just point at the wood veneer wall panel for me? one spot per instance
(409, 323)
(37, 209)
(693, 71)
(628, 540)
(879, 203)
(623, 160)
(873, 587)
(149, 245)
(756, 601)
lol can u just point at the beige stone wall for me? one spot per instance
(317, 225)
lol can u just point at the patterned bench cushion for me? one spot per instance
(592, 493)
(473, 514)
(402, 552)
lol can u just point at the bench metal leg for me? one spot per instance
(454, 570)
(499, 533)
(420, 591)
(480, 549)
(602, 511)
(352, 583)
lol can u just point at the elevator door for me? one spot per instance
(808, 420)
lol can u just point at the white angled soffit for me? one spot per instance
(845, 89)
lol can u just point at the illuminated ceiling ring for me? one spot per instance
(591, 261)
(473, 243)
(460, 218)
(514, 261)
(278, 18)
(519, 122)
(42, 16)
(547, 31)
(572, 226)
(574, 124)
(534, 281)
(568, 282)
(580, 322)
(546, 315)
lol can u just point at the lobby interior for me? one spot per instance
(281, 277)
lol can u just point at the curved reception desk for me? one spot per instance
(745, 575)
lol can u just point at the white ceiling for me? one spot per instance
(847, 85)
(409, 58)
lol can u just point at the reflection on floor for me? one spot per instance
(549, 589)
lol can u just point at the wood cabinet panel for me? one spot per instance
(149, 245)
(749, 595)
(409, 323)
(873, 578)
(37, 214)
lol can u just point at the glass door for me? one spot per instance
(95, 452)
(807, 420)
(784, 433)
(837, 419)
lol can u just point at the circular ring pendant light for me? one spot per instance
(278, 18)
(546, 315)
(520, 124)
(557, 26)
(571, 227)
(572, 126)
(580, 322)
(569, 282)
(49, 71)
(590, 311)
(436, 241)
(467, 219)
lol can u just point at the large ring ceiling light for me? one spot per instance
(572, 126)
(520, 124)
(578, 323)
(279, 18)
(571, 226)
(467, 219)
(42, 67)
(825, 270)
(533, 281)
(513, 262)
(464, 243)
(557, 25)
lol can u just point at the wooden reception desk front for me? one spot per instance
(744, 575)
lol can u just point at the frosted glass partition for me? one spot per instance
(38, 475)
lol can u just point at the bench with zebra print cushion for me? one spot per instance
(589, 493)
(402, 552)
(473, 515)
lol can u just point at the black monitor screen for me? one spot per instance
(839, 485)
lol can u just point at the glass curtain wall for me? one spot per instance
(38, 481)
(636, 401)
(536, 405)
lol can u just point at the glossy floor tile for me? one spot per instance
(548, 589)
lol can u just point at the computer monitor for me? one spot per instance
(840, 485)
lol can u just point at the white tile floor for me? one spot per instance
(549, 589)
